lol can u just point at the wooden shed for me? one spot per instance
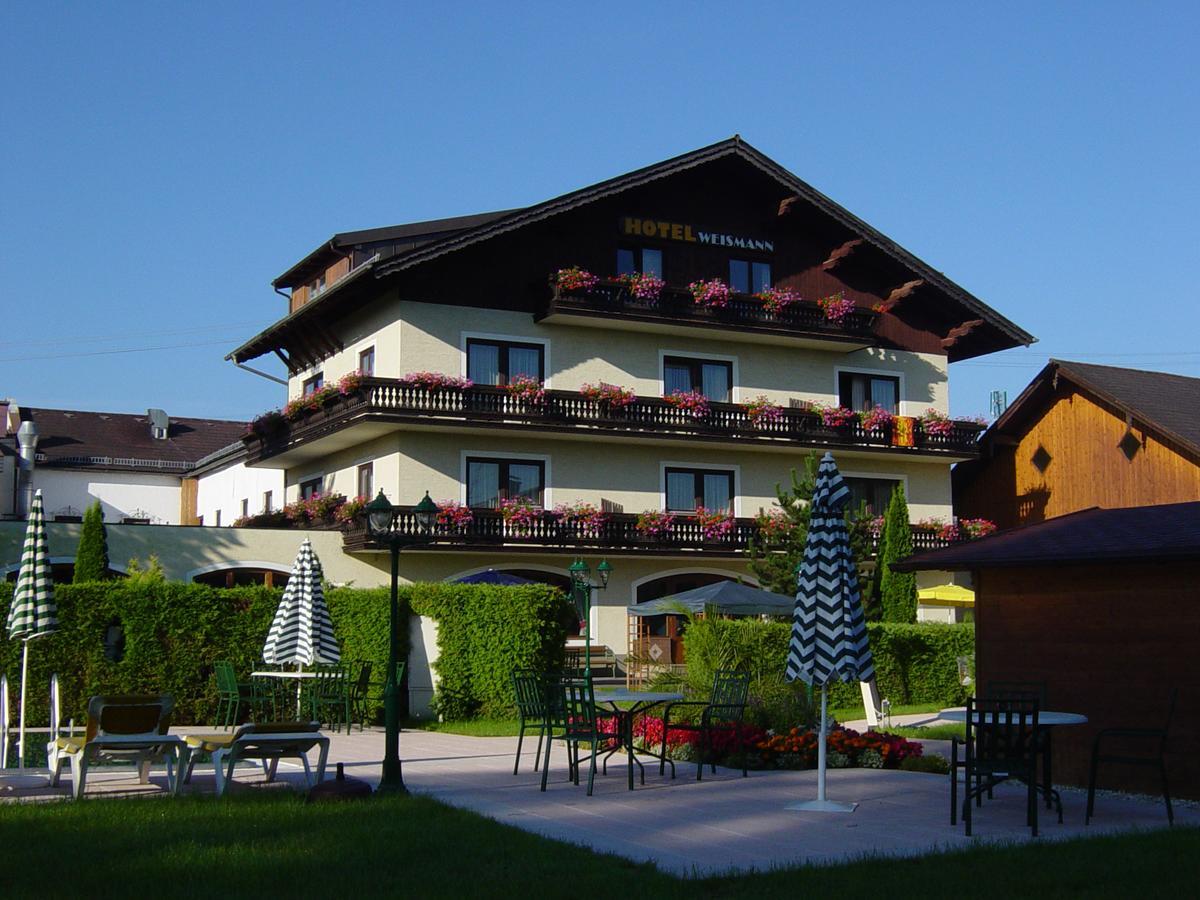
(1103, 606)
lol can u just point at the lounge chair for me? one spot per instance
(267, 742)
(130, 727)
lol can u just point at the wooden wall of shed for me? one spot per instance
(1087, 467)
(1110, 641)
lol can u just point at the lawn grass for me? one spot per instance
(475, 727)
(268, 843)
(858, 713)
(941, 732)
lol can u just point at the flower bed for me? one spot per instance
(846, 748)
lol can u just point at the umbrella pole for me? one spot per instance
(821, 745)
(21, 726)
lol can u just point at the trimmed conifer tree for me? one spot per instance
(897, 590)
(91, 559)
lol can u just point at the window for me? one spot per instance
(310, 488)
(496, 362)
(316, 286)
(747, 277)
(689, 488)
(632, 260)
(245, 507)
(366, 480)
(491, 480)
(712, 378)
(875, 493)
(366, 361)
(314, 384)
(862, 391)
(268, 500)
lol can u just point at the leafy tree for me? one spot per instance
(91, 559)
(775, 567)
(897, 590)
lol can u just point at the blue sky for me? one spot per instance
(161, 163)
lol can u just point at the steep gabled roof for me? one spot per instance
(1166, 404)
(493, 225)
(1140, 533)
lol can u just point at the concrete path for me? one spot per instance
(724, 822)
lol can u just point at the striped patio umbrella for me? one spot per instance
(302, 632)
(33, 613)
(829, 633)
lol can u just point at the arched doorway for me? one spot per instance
(240, 576)
(663, 635)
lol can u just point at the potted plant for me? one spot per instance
(642, 285)
(575, 280)
(937, 423)
(654, 524)
(713, 294)
(692, 401)
(762, 412)
(836, 307)
(776, 300)
(581, 519)
(453, 517)
(435, 381)
(526, 389)
(609, 396)
(715, 524)
(876, 419)
(520, 515)
(837, 416)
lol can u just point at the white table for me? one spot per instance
(1047, 719)
(642, 701)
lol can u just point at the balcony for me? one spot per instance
(610, 304)
(548, 533)
(379, 405)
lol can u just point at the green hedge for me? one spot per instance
(173, 632)
(914, 663)
(484, 633)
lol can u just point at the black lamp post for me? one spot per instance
(380, 519)
(582, 587)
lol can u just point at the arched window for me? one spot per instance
(240, 576)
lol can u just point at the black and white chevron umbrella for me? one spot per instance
(302, 632)
(33, 612)
(829, 632)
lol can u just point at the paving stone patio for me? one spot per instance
(724, 822)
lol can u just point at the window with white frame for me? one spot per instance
(498, 362)
(688, 488)
(712, 378)
(491, 479)
(863, 391)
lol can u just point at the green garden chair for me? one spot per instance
(723, 711)
(530, 690)
(329, 696)
(571, 717)
(232, 694)
(360, 687)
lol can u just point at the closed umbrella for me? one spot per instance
(829, 633)
(302, 632)
(33, 613)
(491, 576)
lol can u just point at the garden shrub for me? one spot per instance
(933, 764)
(91, 557)
(485, 632)
(914, 663)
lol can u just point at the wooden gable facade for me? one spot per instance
(1082, 436)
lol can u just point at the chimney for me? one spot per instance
(27, 441)
(5, 430)
(159, 423)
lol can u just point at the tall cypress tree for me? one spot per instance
(91, 559)
(897, 590)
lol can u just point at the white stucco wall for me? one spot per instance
(121, 494)
(225, 489)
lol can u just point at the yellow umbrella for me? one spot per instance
(947, 595)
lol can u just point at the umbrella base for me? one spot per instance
(22, 779)
(823, 806)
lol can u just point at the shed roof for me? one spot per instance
(1138, 533)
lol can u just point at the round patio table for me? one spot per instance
(284, 673)
(1047, 719)
(640, 702)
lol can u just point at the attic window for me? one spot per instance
(160, 433)
(1129, 445)
(1042, 459)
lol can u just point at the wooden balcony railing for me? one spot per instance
(387, 400)
(677, 306)
(548, 533)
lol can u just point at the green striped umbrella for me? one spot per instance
(33, 612)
